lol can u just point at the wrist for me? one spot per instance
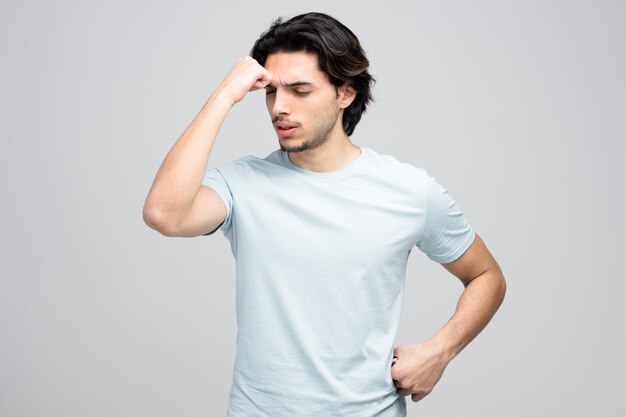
(222, 98)
(444, 347)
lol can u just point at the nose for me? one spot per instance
(279, 103)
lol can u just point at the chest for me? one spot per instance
(357, 222)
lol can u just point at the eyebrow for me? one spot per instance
(293, 84)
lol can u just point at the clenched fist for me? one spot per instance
(245, 76)
(417, 368)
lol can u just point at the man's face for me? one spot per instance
(303, 104)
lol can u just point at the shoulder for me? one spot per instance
(250, 165)
(396, 167)
(247, 168)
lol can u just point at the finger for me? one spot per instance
(404, 392)
(265, 74)
(262, 81)
(400, 388)
(258, 84)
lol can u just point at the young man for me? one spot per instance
(321, 230)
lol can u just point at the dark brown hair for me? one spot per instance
(338, 51)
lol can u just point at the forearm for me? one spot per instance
(477, 305)
(180, 175)
(419, 366)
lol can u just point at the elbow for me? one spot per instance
(157, 218)
(501, 285)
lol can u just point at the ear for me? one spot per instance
(346, 95)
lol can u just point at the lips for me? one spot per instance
(284, 126)
(285, 129)
(286, 132)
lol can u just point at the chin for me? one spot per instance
(303, 144)
(290, 145)
(290, 149)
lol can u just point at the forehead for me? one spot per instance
(290, 67)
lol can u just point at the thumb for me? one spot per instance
(263, 79)
(258, 84)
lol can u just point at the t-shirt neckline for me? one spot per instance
(326, 176)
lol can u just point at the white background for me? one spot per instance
(516, 107)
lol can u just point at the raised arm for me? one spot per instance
(420, 366)
(177, 203)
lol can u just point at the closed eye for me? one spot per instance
(269, 91)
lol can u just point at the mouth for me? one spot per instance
(285, 129)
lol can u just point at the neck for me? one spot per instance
(334, 154)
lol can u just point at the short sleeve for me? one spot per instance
(214, 179)
(447, 234)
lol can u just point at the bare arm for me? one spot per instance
(420, 366)
(177, 203)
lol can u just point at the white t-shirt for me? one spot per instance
(321, 264)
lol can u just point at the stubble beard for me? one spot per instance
(321, 133)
